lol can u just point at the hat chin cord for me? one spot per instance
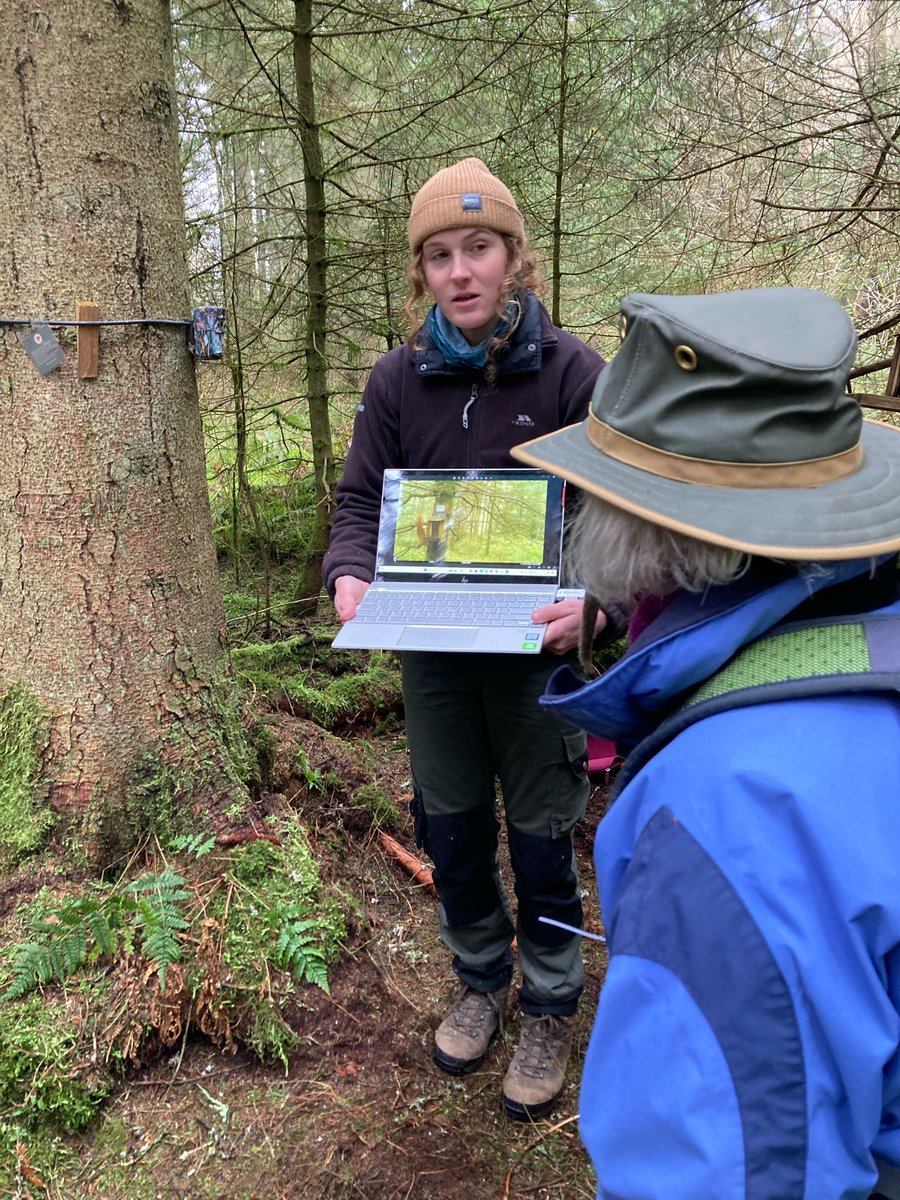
(586, 636)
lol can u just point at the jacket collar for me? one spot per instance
(689, 642)
(532, 336)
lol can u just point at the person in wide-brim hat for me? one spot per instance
(744, 395)
(749, 1024)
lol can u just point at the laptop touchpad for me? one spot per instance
(423, 637)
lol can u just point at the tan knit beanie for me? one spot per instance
(464, 194)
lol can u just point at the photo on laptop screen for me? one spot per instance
(469, 524)
(463, 560)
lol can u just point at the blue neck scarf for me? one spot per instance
(449, 340)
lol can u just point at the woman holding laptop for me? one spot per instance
(485, 369)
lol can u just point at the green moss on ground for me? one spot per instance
(24, 821)
(370, 691)
(375, 800)
(52, 1082)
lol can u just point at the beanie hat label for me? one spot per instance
(471, 201)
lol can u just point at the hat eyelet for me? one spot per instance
(623, 327)
(686, 358)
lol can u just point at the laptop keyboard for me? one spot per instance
(451, 608)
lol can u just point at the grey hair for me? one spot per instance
(617, 556)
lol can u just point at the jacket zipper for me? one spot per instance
(473, 396)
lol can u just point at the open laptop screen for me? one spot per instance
(470, 526)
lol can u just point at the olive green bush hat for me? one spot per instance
(726, 417)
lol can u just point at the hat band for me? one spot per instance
(808, 473)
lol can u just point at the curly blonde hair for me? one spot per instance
(523, 271)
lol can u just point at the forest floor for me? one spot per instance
(361, 1112)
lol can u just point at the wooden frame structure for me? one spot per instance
(890, 402)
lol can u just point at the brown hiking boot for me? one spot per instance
(461, 1040)
(537, 1071)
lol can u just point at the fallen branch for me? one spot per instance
(416, 868)
(251, 835)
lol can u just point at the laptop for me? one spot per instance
(464, 557)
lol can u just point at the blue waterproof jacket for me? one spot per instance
(746, 1042)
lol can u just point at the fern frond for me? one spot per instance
(197, 844)
(56, 963)
(102, 930)
(158, 917)
(316, 972)
(78, 919)
(167, 887)
(31, 965)
(74, 949)
(67, 937)
(298, 945)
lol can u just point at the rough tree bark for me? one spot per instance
(109, 603)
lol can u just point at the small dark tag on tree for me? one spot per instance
(40, 344)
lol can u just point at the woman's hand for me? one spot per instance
(348, 591)
(563, 621)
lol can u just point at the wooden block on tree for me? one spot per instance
(88, 339)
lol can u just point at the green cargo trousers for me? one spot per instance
(472, 719)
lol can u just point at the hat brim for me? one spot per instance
(854, 517)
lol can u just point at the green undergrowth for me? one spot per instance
(367, 797)
(367, 687)
(284, 502)
(24, 820)
(244, 597)
(110, 974)
(146, 914)
(376, 801)
(46, 1076)
(281, 929)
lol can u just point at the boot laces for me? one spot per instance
(542, 1037)
(474, 1010)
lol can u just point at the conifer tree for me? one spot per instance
(110, 613)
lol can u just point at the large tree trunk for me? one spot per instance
(109, 603)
